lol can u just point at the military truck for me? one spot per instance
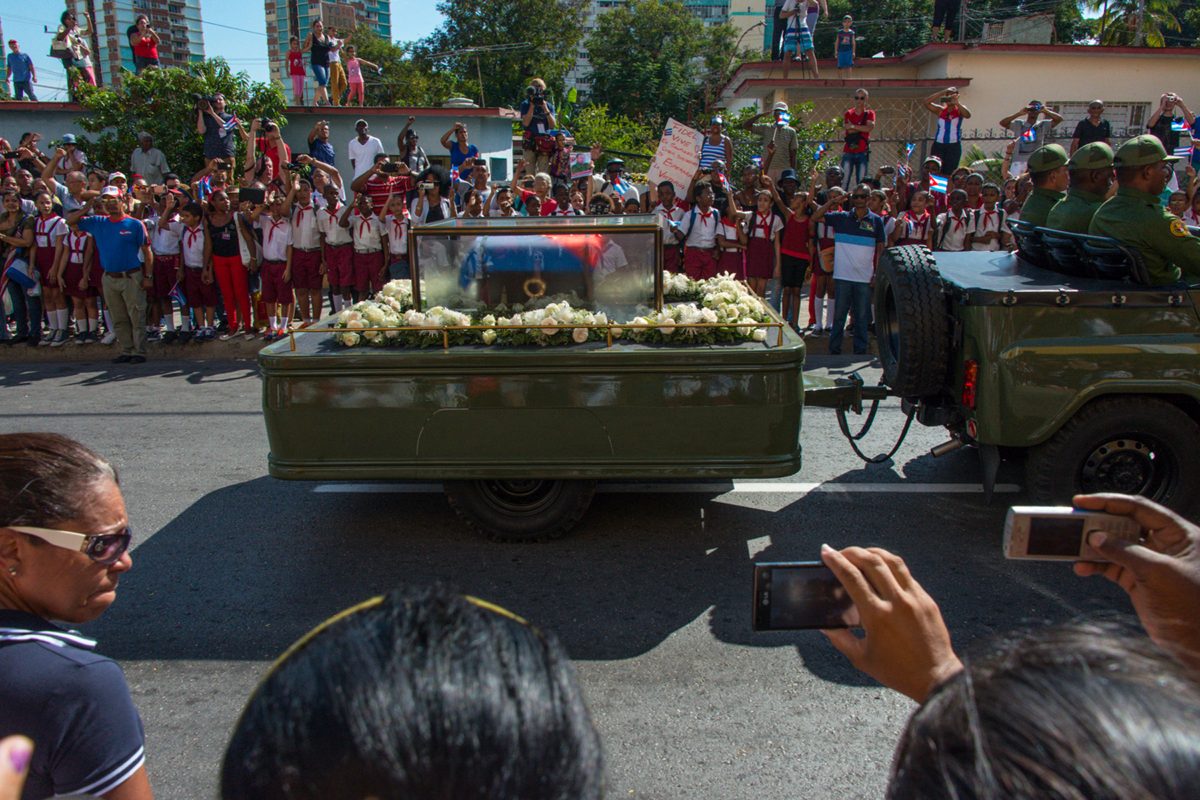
(1061, 354)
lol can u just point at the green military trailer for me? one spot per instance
(616, 384)
(1064, 356)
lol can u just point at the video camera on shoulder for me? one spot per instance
(203, 98)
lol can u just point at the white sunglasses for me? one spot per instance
(103, 548)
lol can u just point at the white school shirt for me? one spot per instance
(306, 234)
(984, 221)
(327, 223)
(703, 231)
(952, 231)
(165, 241)
(276, 236)
(367, 232)
(47, 232)
(763, 226)
(191, 242)
(612, 258)
(396, 229)
(1190, 217)
(665, 217)
(76, 243)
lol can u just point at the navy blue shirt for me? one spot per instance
(117, 243)
(321, 151)
(73, 704)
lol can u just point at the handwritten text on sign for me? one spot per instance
(677, 156)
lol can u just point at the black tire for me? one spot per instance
(525, 510)
(1131, 445)
(911, 326)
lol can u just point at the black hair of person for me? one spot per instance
(1085, 711)
(436, 174)
(423, 693)
(46, 478)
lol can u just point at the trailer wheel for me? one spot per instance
(911, 325)
(1130, 445)
(521, 510)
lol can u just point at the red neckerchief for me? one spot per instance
(44, 231)
(987, 216)
(300, 212)
(764, 222)
(192, 233)
(274, 224)
(72, 239)
(959, 222)
(397, 224)
(918, 222)
(704, 214)
(364, 221)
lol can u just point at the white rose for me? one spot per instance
(580, 335)
(708, 315)
(355, 323)
(489, 336)
(616, 331)
(489, 319)
(667, 326)
(349, 339)
(759, 335)
(343, 318)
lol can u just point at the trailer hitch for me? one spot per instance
(848, 394)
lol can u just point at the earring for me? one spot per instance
(12, 571)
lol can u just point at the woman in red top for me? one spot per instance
(144, 41)
(295, 60)
(796, 251)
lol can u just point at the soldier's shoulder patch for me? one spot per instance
(1178, 228)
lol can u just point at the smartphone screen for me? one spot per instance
(798, 596)
(1055, 536)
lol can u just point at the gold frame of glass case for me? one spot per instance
(536, 226)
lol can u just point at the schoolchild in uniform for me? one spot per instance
(370, 242)
(562, 199)
(76, 251)
(797, 247)
(989, 228)
(698, 232)
(166, 232)
(307, 273)
(48, 228)
(762, 243)
(953, 226)
(915, 224)
(276, 269)
(731, 238)
(821, 290)
(196, 273)
(395, 224)
(337, 250)
(669, 209)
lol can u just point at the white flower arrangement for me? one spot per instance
(690, 311)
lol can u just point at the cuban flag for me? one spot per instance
(939, 183)
(1184, 152)
(1179, 125)
(1029, 135)
(756, 162)
(231, 123)
(668, 131)
(453, 175)
(783, 119)
(820, 151)
(177, 295)
(619, 187)
(908, 150)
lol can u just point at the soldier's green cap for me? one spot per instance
(1142, 150)
(1096, 155)
(1046, 158)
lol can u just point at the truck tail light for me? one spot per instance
(970, 382)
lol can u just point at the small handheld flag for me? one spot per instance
(939, 183)
(619, 187)
(756, 162)
(177, 295)
(783, 119)
(231, 123)
(1029, 135)
(1184, 152)
(1179, 125)
(454, 174)
(819, 151)
(908, 150)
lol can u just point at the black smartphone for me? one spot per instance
(800, 595)
(254, 196)
(390, 167)
(13, 154)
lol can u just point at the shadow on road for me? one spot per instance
(248, 569)
(97, 373)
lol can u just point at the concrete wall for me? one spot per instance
(489, 129)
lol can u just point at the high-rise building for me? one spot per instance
(744, 15)
(288, 18)
(176, 21)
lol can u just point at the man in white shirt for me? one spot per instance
(363, 148)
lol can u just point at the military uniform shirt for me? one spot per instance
(1137, 219)
(1074, 212)
(1038, 204)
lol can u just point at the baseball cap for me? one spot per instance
(110, 191)
(1047, 157)
(787, 175)
(1142, 150)
(934, 159)
(359, 122)
(114, 175)
(780, 106)
(1096, 155)
(68, 138)
(614, 162)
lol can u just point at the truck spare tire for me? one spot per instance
(911, 325)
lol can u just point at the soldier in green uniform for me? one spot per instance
(1135, 216)
(1091, 170)
(1048, 167)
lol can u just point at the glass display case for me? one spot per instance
(610, 264)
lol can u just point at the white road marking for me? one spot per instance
(715, 487)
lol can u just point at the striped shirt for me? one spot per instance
(949, 126)
(711, 152)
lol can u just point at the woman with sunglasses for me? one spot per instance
(64, 537)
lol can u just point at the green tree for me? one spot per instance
(1119, 21)
(595, 124)
(550, 29)
(892, 27)
(408, 78)
(654, 59)
(160, 101)
(811, 132)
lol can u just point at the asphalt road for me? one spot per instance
(650, 595)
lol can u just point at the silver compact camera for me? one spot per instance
(1059, 533)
